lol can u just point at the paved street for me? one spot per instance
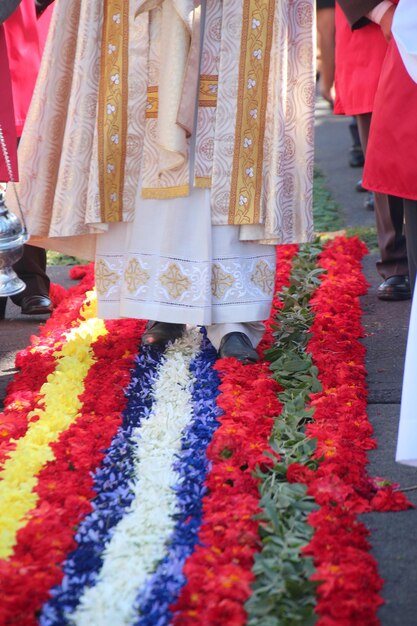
(385, 326)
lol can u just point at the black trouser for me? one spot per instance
(31, 268)
(389, 215)
(410, 218)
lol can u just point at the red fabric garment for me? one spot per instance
(25, 40)
(43, 25)
(359, 57)
(7, 114)
(391, 154)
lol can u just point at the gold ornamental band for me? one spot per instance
(207, 95)
(152, 102)
(208, 90)
(161, 193)
(203, 182)
(254, 64)
(112, 108)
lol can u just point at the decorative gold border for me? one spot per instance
(159, 193)
(208, 90)
(207, 95)
(112, 108)
(256, 42)
(152, 103)
(203, 182)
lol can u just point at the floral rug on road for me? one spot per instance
(149, 488)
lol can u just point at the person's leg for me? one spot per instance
(356, 158)
(363, 123)
(31, 268)
(253, 330)
(389, 215)
(3, 302)
(326, 43)
(392, 266)
(410, 215)
(237, 340)
(243, 277)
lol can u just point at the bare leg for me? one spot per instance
(326, 44)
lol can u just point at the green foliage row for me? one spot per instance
(283, 594)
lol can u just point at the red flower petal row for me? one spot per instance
(348, 593)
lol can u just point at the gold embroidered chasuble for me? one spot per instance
(132, 76)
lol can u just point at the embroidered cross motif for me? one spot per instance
(263, 277)
(105, 277)
(175, 282)
(135, 276)
(220, 281)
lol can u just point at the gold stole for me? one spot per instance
(255, 51)
(232, 134)
(112, 108)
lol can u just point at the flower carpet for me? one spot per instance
(147, 488)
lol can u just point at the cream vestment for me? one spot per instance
(172, 140)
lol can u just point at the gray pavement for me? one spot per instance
(385, 325)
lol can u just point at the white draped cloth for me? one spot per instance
(407, 432)
(404, 30)
(405, 33)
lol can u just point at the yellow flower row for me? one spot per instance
(60, 408)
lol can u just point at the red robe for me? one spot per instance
(25, 37)
(6, 113)
(359, 58)
(391, 154)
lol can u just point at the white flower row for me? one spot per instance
(138, 541)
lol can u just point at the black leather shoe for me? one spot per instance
(160, 333)
(35, 305)
(238, 346)
(395, 288)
